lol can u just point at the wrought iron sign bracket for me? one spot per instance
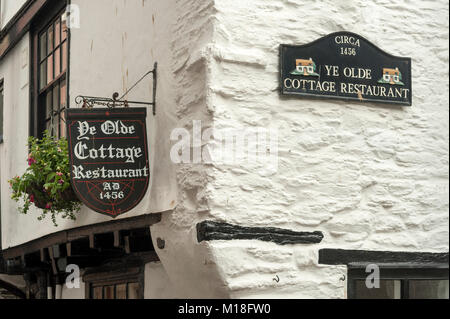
(88, 102)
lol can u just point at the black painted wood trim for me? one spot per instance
(19, 25)
(65, 236)
(2, 263)
(12, 289)
(406, 259)
(210, 230)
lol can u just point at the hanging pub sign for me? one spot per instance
(108, 157)
(344, 65)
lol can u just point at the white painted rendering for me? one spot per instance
(369, 176)
(8, 10)
(110, 49)
(74, 293)
(157, 283)
(13, 151)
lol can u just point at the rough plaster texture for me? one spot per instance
(8, 9)
(104, 43)
(157, 283)
(369, 176)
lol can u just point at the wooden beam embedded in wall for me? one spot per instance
(116, 239)
(19, 25)
(75, 234)
(91, 241)
(69, 249)
(127, 244)
(53, 261)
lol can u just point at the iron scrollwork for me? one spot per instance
(89, 102)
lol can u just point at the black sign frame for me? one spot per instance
(108, 185)
(325, 51)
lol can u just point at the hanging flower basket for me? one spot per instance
(46, 182)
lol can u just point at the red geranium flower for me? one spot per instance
(31, 161)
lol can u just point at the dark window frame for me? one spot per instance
(42, 21)
(2, 109)
(115, 275)
(400, 272)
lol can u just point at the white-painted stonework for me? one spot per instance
(368, 176)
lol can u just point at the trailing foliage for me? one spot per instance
(46, 182)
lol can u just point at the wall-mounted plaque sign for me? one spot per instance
(344, 65)
(108, 157)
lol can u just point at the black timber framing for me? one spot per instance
(19, 25)
(403, 272)
(71, 235)
(212, 230)
(12, 289)
(393, 265)
(365, 257)
(121, 243)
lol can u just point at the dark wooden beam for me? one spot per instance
(33, 260)
(69, 249)
(128, 265)
(91, 241)
(80, 247)
(71, 235)
(44, 255)
(53, 261)
(19, 25)
(116, 238)
(80, 261)
(14, 266)
(127, 244)
(104, 241)
(118, 225)
(364, 257)
(2, 263)
(12, 289)
(212, 230)
(141, 240)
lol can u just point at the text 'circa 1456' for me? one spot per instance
(109, 158)
(345, 66)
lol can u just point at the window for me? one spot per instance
(124, 290)
(400, 283)
(50, 43)
(1, 111)
(115, 282)
(52, 76)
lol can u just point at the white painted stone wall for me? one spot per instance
(74, 293)
(14, 70)
(157, 283)
(8, 8)
(370, 177)
(114, 47)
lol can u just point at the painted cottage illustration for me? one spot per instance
(391, 76)
(305, 67)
